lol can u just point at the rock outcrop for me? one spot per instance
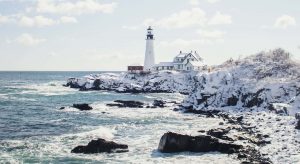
(172, 142)
(100, 146)
(267, 80)
(82, 106)
(126, 104)
(156, 82)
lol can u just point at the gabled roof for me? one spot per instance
(197, 56)
(182, 55)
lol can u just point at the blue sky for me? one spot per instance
(109, 35)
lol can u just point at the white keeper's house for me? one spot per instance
(183, 62)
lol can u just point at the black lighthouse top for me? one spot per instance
(149, 33)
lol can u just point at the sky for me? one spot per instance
(108, 35)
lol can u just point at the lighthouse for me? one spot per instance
(149, 53)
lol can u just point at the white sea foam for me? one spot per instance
(47, 89)
(12, 97)
(140, 129)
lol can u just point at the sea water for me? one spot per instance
(33, 129)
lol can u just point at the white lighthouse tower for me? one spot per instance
(149, 54)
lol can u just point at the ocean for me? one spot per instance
(33, 128)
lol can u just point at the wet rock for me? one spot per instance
(208, 113)
(61, 108)
(159, 103)
(201, 131)
(126, 104)
(220, 133)
(82, 106)
(251, 155)
(172, 142)
(176, 109)
(100, 146)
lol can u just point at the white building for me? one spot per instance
(149, 61)
(183, 62)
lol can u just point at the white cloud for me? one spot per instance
(197, 2)
(37, 21)
(189, 18)
(285, 21)
(28, 40)
(194, 2)
(215, 34)
(187, 43)
(74, 7)
(4, 19)
(212, 1)
(41, 21)
(185, 18)
(219, 19)
(66, 19)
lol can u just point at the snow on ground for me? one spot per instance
(264, 88)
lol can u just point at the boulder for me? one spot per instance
(172, 142)
(159, 103)
(82, 106)
(126, 104)
(100, 146)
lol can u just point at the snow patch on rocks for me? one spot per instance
(165, 81)
(267, 80)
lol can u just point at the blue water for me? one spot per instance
(34, 130)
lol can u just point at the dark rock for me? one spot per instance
(100, 146)
(297, 116)
(253, 99)
(201, 131)
(239, 119)
(159, 103)
(208, 113)
(221, 123)
(176, 109)
(126, 104)
(172, 142)
(62, 108)
(232, 101)
(218, 133)
(96, 84)
(251, 155)
(82, 106)
(298, 124)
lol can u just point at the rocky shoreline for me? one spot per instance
(258, 92)
(210, 140)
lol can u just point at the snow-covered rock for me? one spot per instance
(166, 81)
(268, 80)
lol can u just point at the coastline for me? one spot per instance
(241, 109)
